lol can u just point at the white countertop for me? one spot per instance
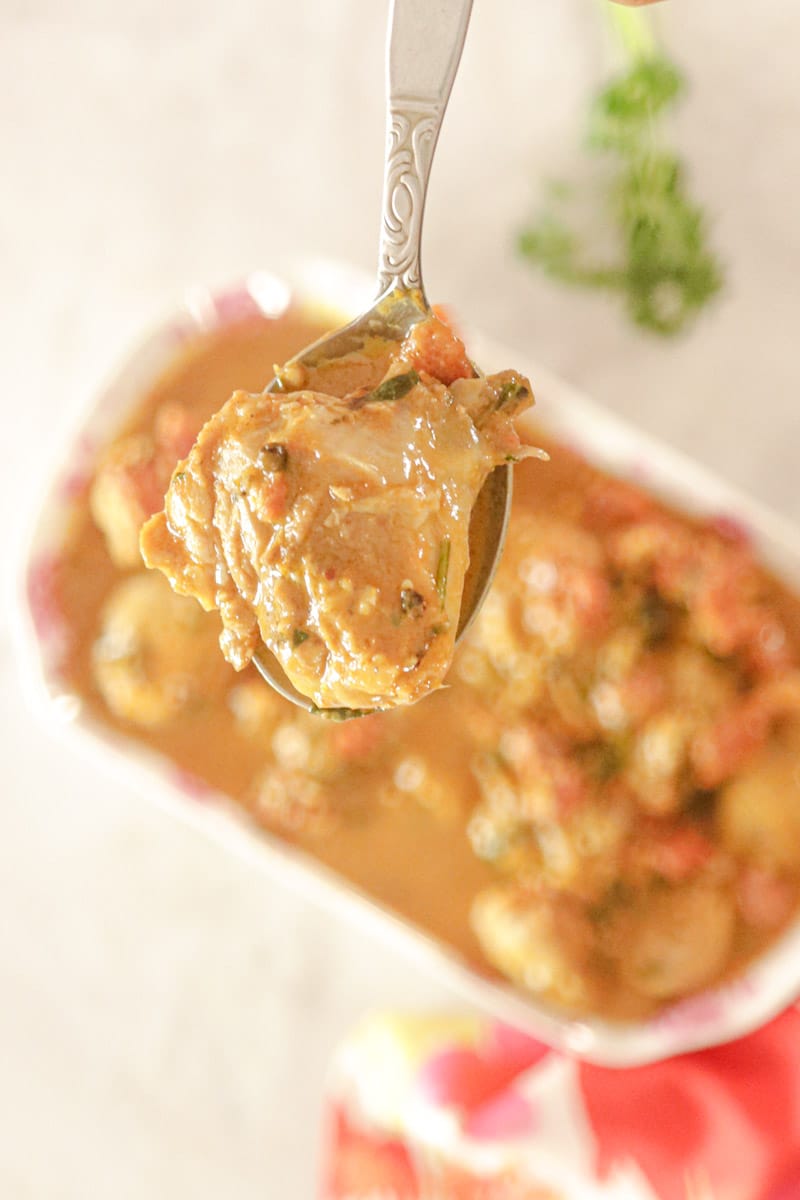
(166, 1013)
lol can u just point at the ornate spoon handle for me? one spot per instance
(425, 42)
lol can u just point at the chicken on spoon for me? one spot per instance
(330, 521)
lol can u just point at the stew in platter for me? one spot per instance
(604, 803)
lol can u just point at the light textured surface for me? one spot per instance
(166, 1013)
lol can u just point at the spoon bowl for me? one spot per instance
(424, 49)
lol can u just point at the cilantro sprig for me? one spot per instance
(661, 263)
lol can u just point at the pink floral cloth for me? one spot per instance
(521, 1121)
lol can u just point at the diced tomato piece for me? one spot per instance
(718, 752)
(175, 431)
(588, 590)
(644, 691)
(614, 502)
(433, 348)
(677, 854)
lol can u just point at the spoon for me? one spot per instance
(424, 48)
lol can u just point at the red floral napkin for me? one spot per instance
(490, 1114)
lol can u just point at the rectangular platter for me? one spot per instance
(336, 292)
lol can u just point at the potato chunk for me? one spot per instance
(155, 656)
(759, 811)
(683, 939)
(538, 939)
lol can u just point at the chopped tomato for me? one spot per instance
(722, 749)
(432, 347)
(643, 692)
(588, 592)
(614, 502)
(719, 751)
(676, 854)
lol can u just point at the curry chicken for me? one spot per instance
(604, 803)
(329, 520)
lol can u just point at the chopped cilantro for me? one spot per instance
(341, 714)
(662, 265)
(442, 568)
(392, 388)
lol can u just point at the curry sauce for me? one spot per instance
(602, 806)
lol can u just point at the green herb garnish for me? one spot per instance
(392, 388)
(442, 567)
(299, 636)
(341, 714)
(512, 389)
(662, 265)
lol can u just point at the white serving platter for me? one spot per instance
(712, 1017)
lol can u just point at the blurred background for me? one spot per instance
(166, 1013)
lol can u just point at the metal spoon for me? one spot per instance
(425, 41)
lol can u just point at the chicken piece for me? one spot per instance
(131, 480)
(336, 530)
(155, 656)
